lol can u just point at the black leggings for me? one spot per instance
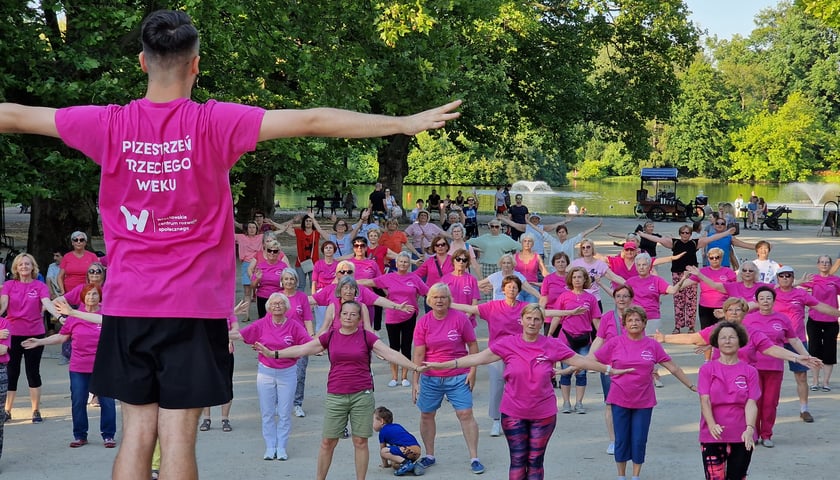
(261, 306)
(32, 360)
(707, 316)
(822, 340)
(725, 461)
(400, 335)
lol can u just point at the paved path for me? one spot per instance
(576, 450)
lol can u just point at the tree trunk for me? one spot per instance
(393, 166)
(258, 195)
(51, 223)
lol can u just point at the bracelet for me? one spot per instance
(751, 426)
(609, 369)
(456, 363)
(276, 354)
(692, 386)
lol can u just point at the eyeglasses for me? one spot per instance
(345, 272)
(785, 275)
(272, 250)
(96, 271)
(715, 257)
(359, 245)
(623, 296)
(461, 259)
(586, 247)
(720, 223)
(441, 245)
(79, 240)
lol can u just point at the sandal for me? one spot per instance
(226, 425)
(205, 425)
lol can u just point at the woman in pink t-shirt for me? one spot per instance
(711, 299)
(300, 311)
(402, 286)
(276, 377)
(530, 264)
(349, 383)
(323, 274)
(729, 390)
(745, 289)
(463, 286)
(22, 300)
(265, 274)
(648, 289)
(248, 245)
(529, 407)
(554, 284)
(438, 264)
(823, 328)
(82, 328)
(632, 396)
(75, 263)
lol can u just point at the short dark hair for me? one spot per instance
(167, 35)
(765, 288)
(743, 336)
(384, 414)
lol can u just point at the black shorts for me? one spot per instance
(177, 363)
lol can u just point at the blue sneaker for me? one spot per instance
(426, 462)
(407, 466)
(476, 467)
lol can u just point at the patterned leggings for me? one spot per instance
(685, 304)
(725, 461)
(4, 385)
(527, 440)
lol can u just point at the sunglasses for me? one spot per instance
(720, 223)
(345, 272)
(715, 257)
(586, 247)
(785, 275)
(359, 245)
(79, 240)
(748, 271)
(272, 250)
(495, 226)
(96, 271)
(685, 233)
(441, 245)
(461, 259)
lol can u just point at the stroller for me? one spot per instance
(771, 220)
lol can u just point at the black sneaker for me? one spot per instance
(36, 417)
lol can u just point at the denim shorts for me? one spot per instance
(432, 390)
(793, 366)
(243, 272)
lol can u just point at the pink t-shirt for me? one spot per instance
(326, 295)
(365, 268)
(4, 325)
(757, 343)
(633, 389)
(300, 310)
(248, 246)
(608, 328)
(529, 367)
(619, 268)
(165, 200)
(429, 269)
(728, 388)
(349, 360)
(401, 288)
(646, 293)
(323, 273)
(84, 336)
(24, 307)
(502, 319)
(792, 303)
(464, 289)
(739, 290)
(272, 273)
(75, 268)
(825, 289)
(74, 296)
(778, 329)
(552, 286)
(275, 337)
(445, 339)
(709, 297)
(582, 322)
(529, 269)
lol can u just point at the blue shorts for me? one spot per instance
(243, 271)
(432, 390)
(793, 366)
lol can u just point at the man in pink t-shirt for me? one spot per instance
(165, 194)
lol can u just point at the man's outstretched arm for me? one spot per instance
(331, 122)
(16, 118)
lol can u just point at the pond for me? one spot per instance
(607, 198)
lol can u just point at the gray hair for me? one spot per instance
(643, 257)
(78, 234)
(278, 297)
(346, 280)
(291, 271)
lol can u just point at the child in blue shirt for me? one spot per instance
(398, 448)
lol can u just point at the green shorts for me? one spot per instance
(357, 407)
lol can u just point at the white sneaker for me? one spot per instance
(392, 383)
(611, 448)
(406, 383)
(269, 454)
(497, 428)
(299, 411)
(282, 455)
